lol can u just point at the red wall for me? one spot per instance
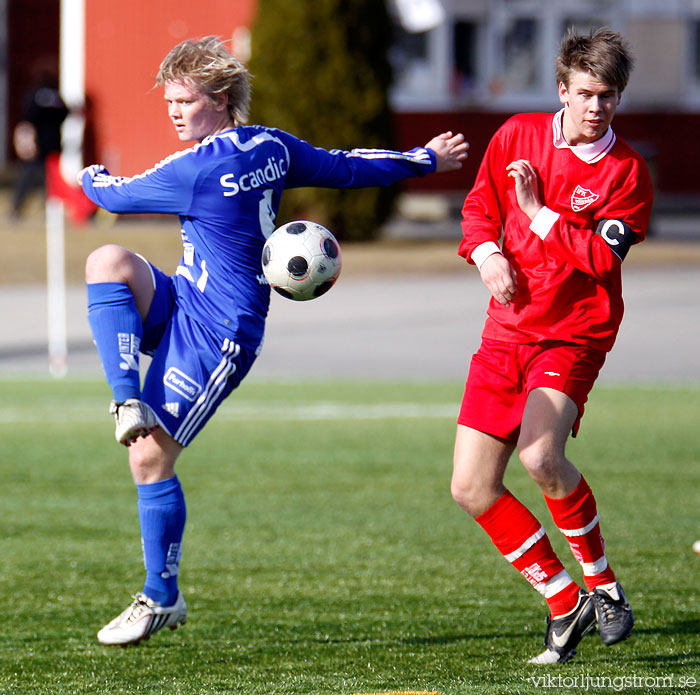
(669, 141)
(125, 44)
(131, 131)
(414, 129)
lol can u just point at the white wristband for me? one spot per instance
(543, 222)
(483, 251)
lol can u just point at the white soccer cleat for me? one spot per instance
(141, 619)
(133, 418)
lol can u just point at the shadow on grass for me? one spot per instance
(685, 659)
(680, 627)
(670, 630)
(436, 639)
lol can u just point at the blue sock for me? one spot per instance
(117, 329)
(162, 514)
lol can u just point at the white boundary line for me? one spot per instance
(49, 414)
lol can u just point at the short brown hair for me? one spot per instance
(602, 53)
(206, 65)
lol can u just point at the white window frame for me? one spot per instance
(692, 55)
(491, 24)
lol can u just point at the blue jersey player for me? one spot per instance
(202, 326)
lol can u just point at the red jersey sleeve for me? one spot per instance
(567, 261)
(482, 213)
(621, 221)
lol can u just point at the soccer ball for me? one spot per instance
(301, 260)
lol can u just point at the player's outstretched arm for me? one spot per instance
(450, 151)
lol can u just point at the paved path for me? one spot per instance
(422, 327)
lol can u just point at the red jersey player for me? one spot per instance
(556, 205)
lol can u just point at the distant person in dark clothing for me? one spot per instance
(38, 134)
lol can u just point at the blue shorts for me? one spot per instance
(193, 369)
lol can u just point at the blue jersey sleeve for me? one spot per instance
(167, 187)
(315, 167)
(164, 189)
(226, 191)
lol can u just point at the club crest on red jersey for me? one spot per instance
(581, 198)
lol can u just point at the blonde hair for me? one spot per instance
(206, 65)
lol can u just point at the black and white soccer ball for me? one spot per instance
(301, 260)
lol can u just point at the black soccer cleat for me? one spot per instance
(613, 612)
(565, 632)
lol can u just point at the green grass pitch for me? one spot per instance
(323, 553)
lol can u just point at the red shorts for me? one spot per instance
(501, 376)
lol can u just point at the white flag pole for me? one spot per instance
(56, 286)
(72, 87)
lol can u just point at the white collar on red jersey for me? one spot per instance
(589, 153)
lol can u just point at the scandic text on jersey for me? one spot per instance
(274, 169)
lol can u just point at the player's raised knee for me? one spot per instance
(109, 263)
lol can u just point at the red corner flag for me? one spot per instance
(78, 206)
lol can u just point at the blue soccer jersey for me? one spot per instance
(226, 191)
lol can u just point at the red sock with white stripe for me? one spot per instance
(522, 540)
(576, 516)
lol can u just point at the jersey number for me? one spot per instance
(202, 282)
(266, 213)
(184, 270)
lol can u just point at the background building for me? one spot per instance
(484, 60)
(491, 58)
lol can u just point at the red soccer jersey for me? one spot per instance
(568, 260)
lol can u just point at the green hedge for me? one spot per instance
(321, 71)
